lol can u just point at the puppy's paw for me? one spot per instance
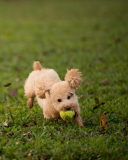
(78, 120)
(81, 125)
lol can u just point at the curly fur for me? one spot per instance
(46, 86)
(73, 78)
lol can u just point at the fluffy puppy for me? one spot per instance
(52, 94)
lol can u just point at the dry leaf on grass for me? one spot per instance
(26, 132)
(18, 70)
(103, 121)
(126, 118)
(82, 96)
(27, 155)
(9, 108)
(6, 123)
(17, 79)
(8, 84)
(116, 133)
(120, 150)
(117, 40)
(13, 92)
(105, 81)
(98, 105)
(4, 132)
(125, 127)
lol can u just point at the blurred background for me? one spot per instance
(86, 34)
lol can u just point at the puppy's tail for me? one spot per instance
(37, 66)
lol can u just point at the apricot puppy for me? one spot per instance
(52, 94)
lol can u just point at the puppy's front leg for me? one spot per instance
(78, 120)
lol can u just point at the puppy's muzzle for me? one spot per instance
(68, 108)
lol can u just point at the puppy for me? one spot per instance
(52, 94)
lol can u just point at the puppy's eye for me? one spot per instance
(59, 100)
(68, 97)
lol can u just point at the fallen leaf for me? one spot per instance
(26, 132)
(27, 155)
(9, 108)
(120, 150)
(126, 118)
(6, 123)
(98, 105)
(17, 79)
(40, 158)
(13, 92)
(82, 96)
(105, 81)
(4, 132)
(45, 53)
(94, 133)
(8, 84)
(117, 40)
(103, 121)
(18, 70)
(90, 93)
(19, 57)
(116, 134)
(125, 127)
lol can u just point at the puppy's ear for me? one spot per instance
(41, 87)
(73, 77)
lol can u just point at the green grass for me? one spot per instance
(89, 35)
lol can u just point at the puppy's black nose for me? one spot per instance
(68, 108)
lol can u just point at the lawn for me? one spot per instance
(89, 35)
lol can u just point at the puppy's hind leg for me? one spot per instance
(29, 90)
(30, 102)
(29, 84)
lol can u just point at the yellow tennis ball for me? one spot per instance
(65, 115)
